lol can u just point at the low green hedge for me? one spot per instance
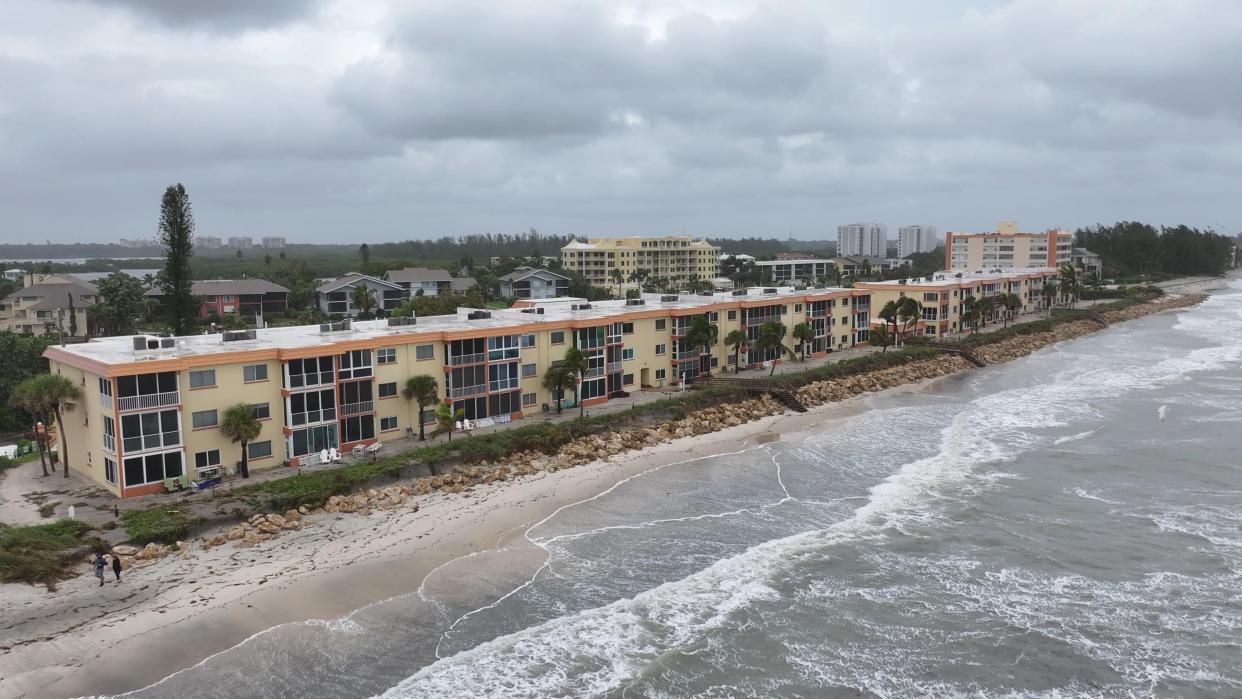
(162, 523)
(858, 365)
(42, 554)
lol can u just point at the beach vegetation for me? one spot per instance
(43, 554)
(162, 524)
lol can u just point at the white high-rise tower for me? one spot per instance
(862, 239)
(918, 238)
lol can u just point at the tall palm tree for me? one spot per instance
(422, 390)
(557, 380)
(25, 397)
(879, 336)
(1010, 302)
(970, 311)
(617, 277)
(772, 337)
(576, 363)
(909, 311)
(1069, 283)
(447, 419)
(736, 339)
(240, 424)
(58, 396)
(1049, 294)
(802, 333)
(363, 298)
(889, 313)
(702, 333)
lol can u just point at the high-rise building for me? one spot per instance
(241, 242)
(677, 258)
(917, 238)
(273, 242)
(1007, 249)
(862, 239)
(207, 242)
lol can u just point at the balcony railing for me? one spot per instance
(460, 359)
(502, 385)
(149, 400)
(105, 401)
(466, 391)
(593, 373)
(688, 354)
(359, 408)
(613, 367)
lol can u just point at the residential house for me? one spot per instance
(245, 296)
(421, 281)
(44, 303)
(531, 283)
(336, 298)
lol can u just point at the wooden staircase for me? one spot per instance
(757, 387)
(964, 352)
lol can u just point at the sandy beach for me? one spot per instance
(87, 640)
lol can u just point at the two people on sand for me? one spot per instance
(101, 565)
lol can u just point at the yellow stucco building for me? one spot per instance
(677, 258)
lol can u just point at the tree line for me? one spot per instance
(1130, 248)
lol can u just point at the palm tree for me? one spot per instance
(702, 333)
(58, 396)
(1010, 302)
(25, 397)
(422, 390)
(557, 380)
(879, 336)
(576, 363)
(736, 339)
(889, 313)
(970, 311)
(909, 311)
(616, 277)
(772, 337)
(446, 420)
(363, 299)
(1049, 294)
(1069, 282)
(985, 307)
(240, 424)
(802, 333)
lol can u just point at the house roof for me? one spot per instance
(226, 287)
(419, 274)
(352, 278)
(523, 272)
(53, 296)
(462, 283)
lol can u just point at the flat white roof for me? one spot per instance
(120, 350)
(953, 278)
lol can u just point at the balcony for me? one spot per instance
(467, 391)
(109, 443)
(148, 401)
(594, 373)
(502, 385)
(359, 408)
(613, 368)
(689, 354)
(462, 359)
(105, 401)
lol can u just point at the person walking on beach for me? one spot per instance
(100, 565)
(116, 567)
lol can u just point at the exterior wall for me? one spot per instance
(976, 251)
(675, 257)
(28, 322)
(84, 428)
(377, 290)
(869, 239)
(779, 271)
(948, 299)
(231, 389)
(915, 239)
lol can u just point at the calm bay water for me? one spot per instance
(1039, 528)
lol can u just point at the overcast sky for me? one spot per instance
(353, 120)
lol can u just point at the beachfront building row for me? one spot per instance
(679, 259)
(1007, 248)
(152, 407)
(812, 269)
(945, 297)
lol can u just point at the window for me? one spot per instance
(732, 315)
(627, 328)
(312, 406)
(313, 439)
(206, 459)
(152, 468)
(627, 354)
(529, 399)
(502, 347)
(259, 450)
(660, 373)
(203, 379)
(627, 379)
(502, 376)
(356, 364)
(388, 424)
(254, 372)
(386, 355)
(422, 352)
(262, 411)
(110, 470)
(358, 428)
(659, 324)
(109, 434)
(797, 308)
(558, 337)
(154, 430)
(313, 371)
(660, 349)
(528, 370)
(105, 387)
(204, 418)
(388, 390)
(528, 340)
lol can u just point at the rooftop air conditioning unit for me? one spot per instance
(739, 292)
(669, 298)
(580, 307)
(478, 315)
(401, 321)
(167, 342)
(325, 327)
(901, 281)
(635, 302)
(537, 310)
(770, 290)
(140, 343)
(236, 335)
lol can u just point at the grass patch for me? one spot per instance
(163, 524)
(858, 365)
(42, 554)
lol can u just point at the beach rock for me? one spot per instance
(125, 550)
(218, 540)
(303, 509)
(275, 520)
(268, 528)
(256, 519)
(291, 524)
(250, 539)
(235, 533)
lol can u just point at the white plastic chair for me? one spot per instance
(324, 456)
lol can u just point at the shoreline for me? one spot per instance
(223, 595)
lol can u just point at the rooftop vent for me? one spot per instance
(478, 315)
(167, 342)
(901, 281)
(236, 335)
(142, 343)
(669, 298)
(537, 310)
(770, 290)
(739, 292)
(401, 321)
(337, 327)
(635, 302)
(580, 307)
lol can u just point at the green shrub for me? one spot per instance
(42, 554)
(161, 524)
(858, 365)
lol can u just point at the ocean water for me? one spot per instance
(1068, 524)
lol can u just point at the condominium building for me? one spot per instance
(677, 258)
(273, 242)
(916, 239)
(1007, 249)
(796, 270)
(151, 407)
(207, 242)
(944, 295)
(223, 296)
(862, 239)
(241, 242)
